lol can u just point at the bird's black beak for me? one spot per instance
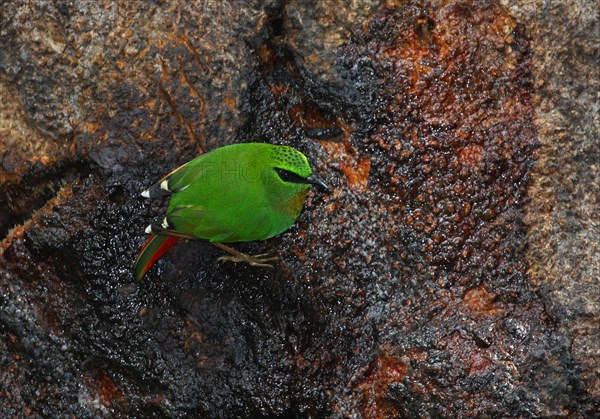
(318, 182)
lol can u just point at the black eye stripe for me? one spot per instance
(288, 176)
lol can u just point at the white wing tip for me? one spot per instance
(148, 230)
(146, 194)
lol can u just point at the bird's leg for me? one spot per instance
(263, 260)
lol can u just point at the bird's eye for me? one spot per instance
(288, 176)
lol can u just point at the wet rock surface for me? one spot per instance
(413, 288)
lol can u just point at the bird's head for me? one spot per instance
(291, 171)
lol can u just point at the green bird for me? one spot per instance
(236, 193)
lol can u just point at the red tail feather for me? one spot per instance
(154, 248)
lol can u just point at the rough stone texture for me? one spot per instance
(562, 215)
(444, 275)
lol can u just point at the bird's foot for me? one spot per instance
(264, 260)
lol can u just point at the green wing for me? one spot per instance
(196, 221)
(179, 179)
(185, 218)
